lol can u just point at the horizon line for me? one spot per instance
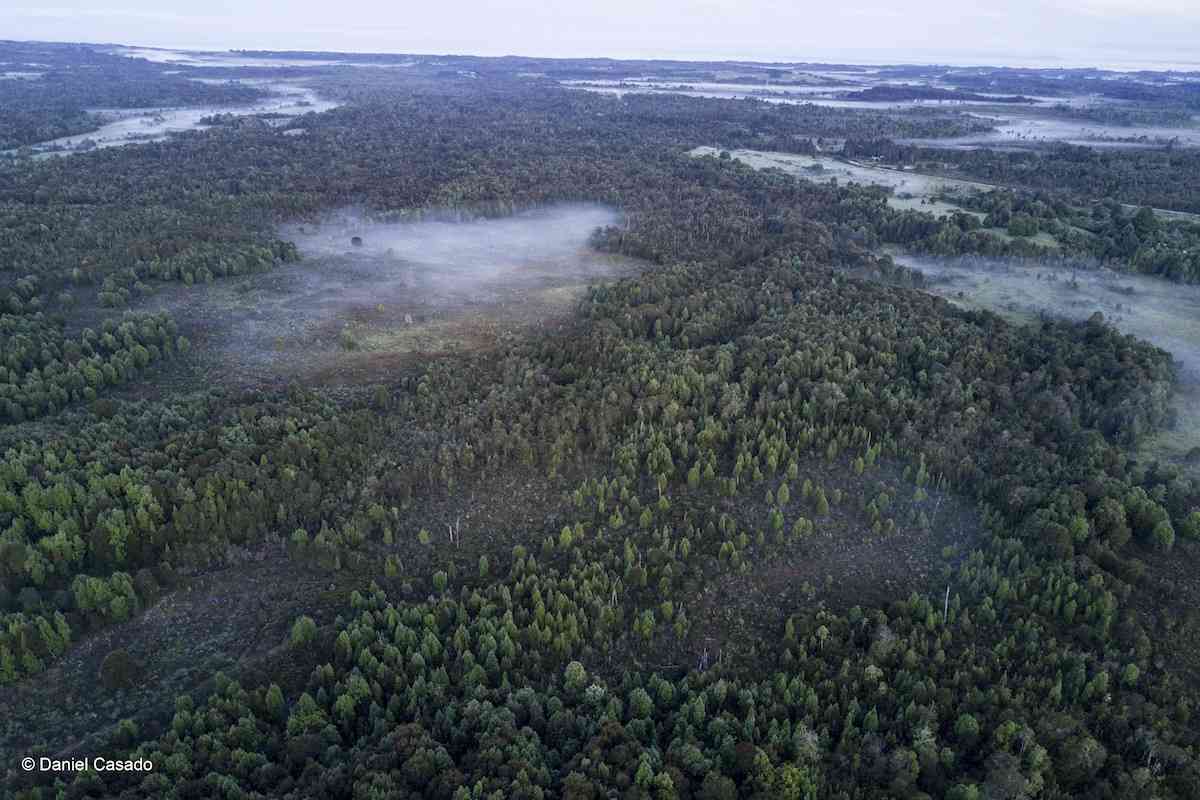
(1125, 62)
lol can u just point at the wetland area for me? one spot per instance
(370, 293)
(1036, 121)
(285, 101)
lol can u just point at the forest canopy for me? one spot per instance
(762, 519)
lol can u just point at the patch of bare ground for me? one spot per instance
(247, 332)
(234, 619)
(488, 515)
(1167, 603)
(737, 612)
(374, 345)
(403, 293)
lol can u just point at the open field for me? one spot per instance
(910, 190)
(347, 312)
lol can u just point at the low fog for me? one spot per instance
(440, 261)
(1155, 310)
(368, 289)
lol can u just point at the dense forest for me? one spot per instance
(764, 520)
(887, 93)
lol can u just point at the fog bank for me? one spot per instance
(369, 293)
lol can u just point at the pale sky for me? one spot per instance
(1071, 32)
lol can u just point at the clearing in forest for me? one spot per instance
(370, 294)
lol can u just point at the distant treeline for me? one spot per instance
(891, 93)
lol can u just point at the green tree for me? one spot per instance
(304, 631)
(575, 677)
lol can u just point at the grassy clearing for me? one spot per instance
(910, 190)
(346, 313)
